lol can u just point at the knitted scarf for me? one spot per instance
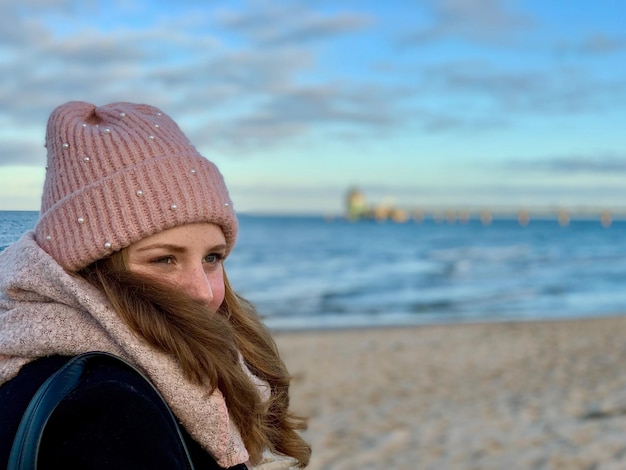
(45, 311)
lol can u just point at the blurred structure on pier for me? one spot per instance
(357, 209)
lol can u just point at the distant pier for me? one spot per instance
(357, 209)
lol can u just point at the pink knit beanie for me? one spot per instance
(119, 173)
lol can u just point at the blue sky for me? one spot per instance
(419, 103)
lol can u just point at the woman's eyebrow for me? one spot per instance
(177, 248)
(164, 246)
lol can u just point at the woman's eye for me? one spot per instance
(213, 258)
(163, 260)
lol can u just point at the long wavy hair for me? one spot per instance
(207, 346)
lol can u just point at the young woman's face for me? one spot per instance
(188, 257)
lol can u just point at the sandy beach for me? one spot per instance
(541, 395)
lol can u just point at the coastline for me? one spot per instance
(490, 395)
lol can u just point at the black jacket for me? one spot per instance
(111, 421)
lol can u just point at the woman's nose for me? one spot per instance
(196, 284)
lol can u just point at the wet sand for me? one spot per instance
(541, 395)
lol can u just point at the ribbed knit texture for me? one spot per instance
(119, 173)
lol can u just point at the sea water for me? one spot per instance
(308, 272)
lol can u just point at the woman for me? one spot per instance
(127, 258)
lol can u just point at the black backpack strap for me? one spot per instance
(25, 449)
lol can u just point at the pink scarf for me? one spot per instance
(44, 311)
